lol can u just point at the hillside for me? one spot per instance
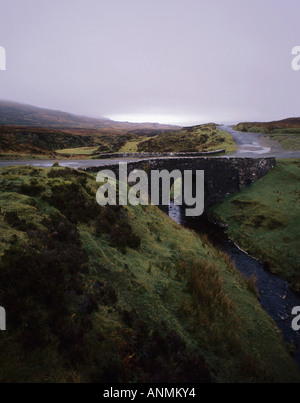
(120, 294)
(28, 132)
(29, 142)
(269, 127)
(16, 114)
(23, 141)
(206, 137)
(38, 141)
(201, 138)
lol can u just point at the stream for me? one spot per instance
(275, 295)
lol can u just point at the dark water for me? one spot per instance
(275, 295)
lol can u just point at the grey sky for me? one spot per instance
(183, 61)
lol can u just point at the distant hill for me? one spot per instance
(12, 113)
(284, 126)
(29, 130)
(16, 114)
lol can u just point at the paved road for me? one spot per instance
(249, 145)
(257, 145)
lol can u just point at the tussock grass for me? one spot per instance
(205, 284)
(252, 286)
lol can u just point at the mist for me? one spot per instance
(167, 61)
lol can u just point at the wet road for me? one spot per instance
(256, 145)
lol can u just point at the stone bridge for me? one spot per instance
(223, 176)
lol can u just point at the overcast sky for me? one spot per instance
(177, 61)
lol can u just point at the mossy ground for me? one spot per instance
(264, 219)
(120, 294)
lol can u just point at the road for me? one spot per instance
(249, 145)
(255, 145)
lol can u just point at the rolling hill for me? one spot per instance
(13, 113)
(27, 130)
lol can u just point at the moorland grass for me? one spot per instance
(120, 294)
(206, 137)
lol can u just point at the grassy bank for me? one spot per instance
(200, 138)
(264, 219)
(120, 294)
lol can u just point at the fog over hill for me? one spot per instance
(30, 130)
(17, 114)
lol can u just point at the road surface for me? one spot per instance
(255, 145)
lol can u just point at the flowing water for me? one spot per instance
(275, 295)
